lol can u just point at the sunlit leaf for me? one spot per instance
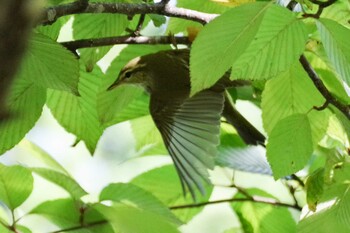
(88, 26)
(78, 114)
(257, 40)
(314, 188)
(62, 180)
(290, 93)
(38, 153)
(69, 213)
(145, 131)
(334, 40)
(164, 184)
(259, 217)
(132, 195)
(291, 142)
(25, 103)
(62, 212)
(16, 184)
(50, 65)
(129, 219)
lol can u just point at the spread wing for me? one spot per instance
(190, 129)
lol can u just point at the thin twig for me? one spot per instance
(51, 14)
(253, 199)
(107, 41)
(323, 4)
(89, 225)
(137, 31)
(345, 109)
(322, 107)
(242, 191)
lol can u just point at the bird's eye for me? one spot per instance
(127, 74)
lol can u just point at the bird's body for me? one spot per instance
(190, 126)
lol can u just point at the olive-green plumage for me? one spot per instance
(190, 126)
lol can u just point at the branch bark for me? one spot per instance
(252, 199)
(51, 14)
(90, 43)
(256, 199)
(322, 88)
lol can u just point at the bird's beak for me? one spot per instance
(114, 85)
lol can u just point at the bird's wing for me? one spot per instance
(190, 129)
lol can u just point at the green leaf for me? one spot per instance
(50, 65)
(25, 103)
(257, 40)
(164, 184)
(129, 219)
(38, 153)
(334, 85)
(4, 229)
(322, 222)
(16, 184)
(339, 12)
(314, 188)
(78, 115)
(134, 196)
(52, 31)
(290, 145)
(23, 229)
(145, 132)
(259, 217)
(334, 40)
(62, 212)
(158, 20)
(291, 93)
(223, 41)
(88, 26)
(69, 213)
(62, 180)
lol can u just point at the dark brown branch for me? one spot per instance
(137, 30)
(51, 14)
(249, 198)
(323, 4)
(253, 199)
(323, 107)
(322, 88)
(90, 43)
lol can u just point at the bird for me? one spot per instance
(189, 125)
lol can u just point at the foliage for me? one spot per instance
(308, 134)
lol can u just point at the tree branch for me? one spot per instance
(90, 43)
(92, 224)
(51, 14)
(345, 109)
(252, 199)
(321, 6)
(256, 199)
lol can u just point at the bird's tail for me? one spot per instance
(245, 129)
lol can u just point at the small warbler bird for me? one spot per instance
(190, 126)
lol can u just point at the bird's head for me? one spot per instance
(134, 72)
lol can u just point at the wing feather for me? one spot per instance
(190, 129)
